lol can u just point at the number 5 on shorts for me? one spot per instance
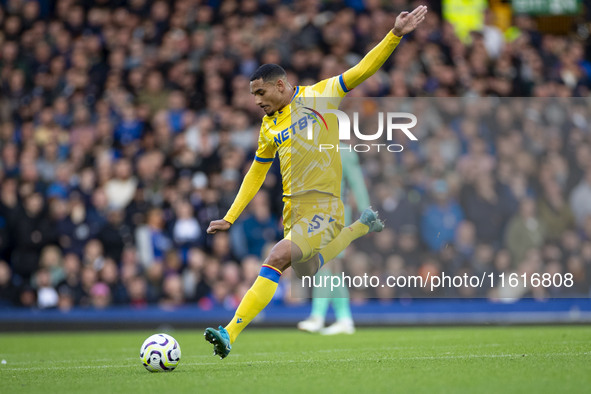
(315, 223)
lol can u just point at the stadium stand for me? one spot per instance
(126, 126)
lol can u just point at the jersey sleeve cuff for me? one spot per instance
(229, 219)
(263, 159)
(343, 84)
(394, 37)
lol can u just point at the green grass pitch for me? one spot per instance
(450, 359)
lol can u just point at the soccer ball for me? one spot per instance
(160, 352)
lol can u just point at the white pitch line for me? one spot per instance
(217, 363)
(13, 356)
(67, 362)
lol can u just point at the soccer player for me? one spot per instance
(313, 211)
(321, 297)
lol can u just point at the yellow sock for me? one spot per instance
(255, 300)
(341, 241)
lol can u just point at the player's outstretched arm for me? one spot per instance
(405, 23)
(250, 186)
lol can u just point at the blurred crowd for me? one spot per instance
(127, 126)
(493, 185)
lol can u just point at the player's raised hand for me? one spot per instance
(407, 22)
(218, 225)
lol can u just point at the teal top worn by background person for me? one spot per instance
(353, 180)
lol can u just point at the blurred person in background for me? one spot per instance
(488, 206)
(121, 189)
(100, 296)
(32, 231)
(186, 230)
(115, 234)
(88, 279)
(8, 291)
(151, 239)
(137, 289)
(192, 274)
(398, 210)
(524, 231)
(172, 291)
(206, 284)
(258, 228)
(93, 255)
(440, 218)
(172, 262)
(47, 296)
(51, 259)
(109, 275)
(66, 300)
(465, 239)
(71, 286)
(8, 210)
(75, 230)
(554, 212)
(580, 197)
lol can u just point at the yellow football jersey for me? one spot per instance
(304, 166)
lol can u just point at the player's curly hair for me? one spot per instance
(269, 73)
